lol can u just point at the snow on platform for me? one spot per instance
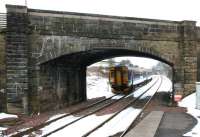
(149, 124)
(189, 103)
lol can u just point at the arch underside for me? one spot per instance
(64, 78)
(83, 59)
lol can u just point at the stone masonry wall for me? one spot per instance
(189, 56)
(198, 53)
(2, 73)
(60, 85)
(17, 59)
(86, 25)
(2, 62)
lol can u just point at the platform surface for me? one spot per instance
(148, 126)
(175, 124)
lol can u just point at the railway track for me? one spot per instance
(58, 118)
(125, 107)
(76, 112)
(142, 109)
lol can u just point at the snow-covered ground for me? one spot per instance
(119, 123)
(166, 86)
(98, 87)
(142, 89)
(2, 128)
(140, 79)
(190, 103)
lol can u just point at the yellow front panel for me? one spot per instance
(118, 78)
(125, 77)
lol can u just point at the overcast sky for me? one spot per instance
(156, 9)
(142, 62)
(176, 10)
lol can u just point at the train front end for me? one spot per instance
(120, 80)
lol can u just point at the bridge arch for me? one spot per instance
(67, 73)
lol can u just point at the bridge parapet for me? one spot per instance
(102, 26)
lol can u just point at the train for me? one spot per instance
(121, 79)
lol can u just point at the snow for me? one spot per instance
(4, 115)
(2, 128)
(190, 103)
(98, 87)
(117, 124)
(117, 97)
(81, 127)
(152, 90)
(167, 86)
(138, 80)
(20, 130)
(58, 124)
(55, 116)
(142, 89)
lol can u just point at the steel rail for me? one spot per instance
(125, 107)
(133, 121)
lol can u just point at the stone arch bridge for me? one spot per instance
(47, 52)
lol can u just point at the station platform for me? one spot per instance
(163, 124)
(148, 126)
